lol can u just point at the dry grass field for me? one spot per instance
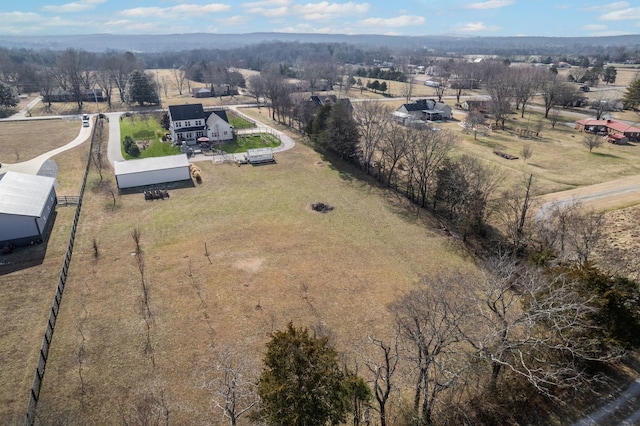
(27, 289)
(24, 140)
(271, 260)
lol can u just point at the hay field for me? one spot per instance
(272, 260)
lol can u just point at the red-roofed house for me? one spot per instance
(609, 127)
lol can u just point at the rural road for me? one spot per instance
(603, 415)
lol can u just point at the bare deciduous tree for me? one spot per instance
(382, 372)
(430, 319)
(372, 118)
(526, 152)
(532, 325)
(232, 384)
(592, 141)
(148, 409)
(427, 150)
(179, 77)
(516, 203)
(393, 149)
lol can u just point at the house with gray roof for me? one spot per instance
(189, 122)
(423, 110)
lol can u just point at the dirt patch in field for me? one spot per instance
(252, 265)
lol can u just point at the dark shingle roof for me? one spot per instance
(220, 113)
(186, 112)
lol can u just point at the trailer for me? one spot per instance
(260, 156)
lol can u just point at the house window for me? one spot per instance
(178, 124)
(198, 122)
(187, 124)
(225, 132)
(199, 133)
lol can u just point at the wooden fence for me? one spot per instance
(57, 299)
(68, 200)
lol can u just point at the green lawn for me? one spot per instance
(238, 122)
(243, 143)
(146, 128)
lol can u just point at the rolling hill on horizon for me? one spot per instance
(441, 43)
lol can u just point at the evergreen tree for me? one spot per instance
(632, 97)
(609, 75)
(8, 96)
(342, 131)
(301, 383)
(141, 88)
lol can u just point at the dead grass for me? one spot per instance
(24, 140)
(26, 295)
(272, 261)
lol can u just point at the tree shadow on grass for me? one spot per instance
(603, 155)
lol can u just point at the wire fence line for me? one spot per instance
(57, 299)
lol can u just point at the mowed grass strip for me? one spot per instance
(24, 140)
(271, 260)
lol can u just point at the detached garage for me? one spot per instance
(27, 207)
(150, 171)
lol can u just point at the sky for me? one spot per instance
(558, 18)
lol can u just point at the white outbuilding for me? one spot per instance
(260, 156)
(150, 171)
(27, 207)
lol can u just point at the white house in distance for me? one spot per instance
(27, 207)
(151, 171)
(190, 121)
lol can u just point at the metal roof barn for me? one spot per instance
(150, 171)
(27, 203)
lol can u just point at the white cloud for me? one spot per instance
(268, 9)
(607, 7)
(179, 11)
(76, 6)
(622, 15)
(594, 27)
(268, 3)
(277, 12)
(325, 11)
(19, 17)
(400, 21)
(476, 27)
(491, 4)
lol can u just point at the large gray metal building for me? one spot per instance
(27, 207)
(150, 171)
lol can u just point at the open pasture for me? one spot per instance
(227, 262)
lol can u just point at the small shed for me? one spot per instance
(27, 206)
(260, 155)
(150, 171)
